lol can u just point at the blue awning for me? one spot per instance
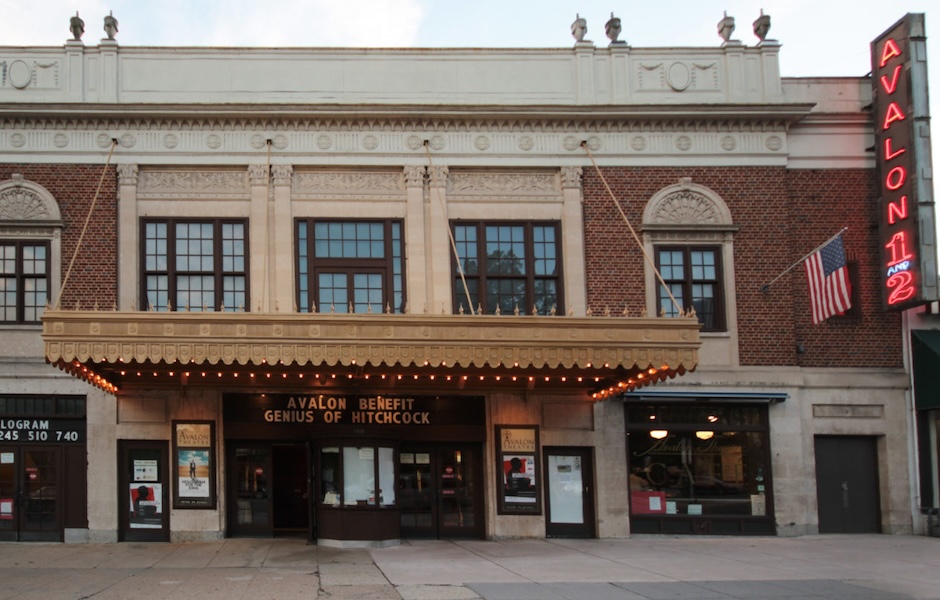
(670, 396)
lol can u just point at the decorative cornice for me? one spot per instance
(424, 120)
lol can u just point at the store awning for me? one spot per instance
(925, 349)
(600, 355)
(671, 396)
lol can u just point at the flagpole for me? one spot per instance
(766, 287)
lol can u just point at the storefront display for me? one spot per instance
(698, 467)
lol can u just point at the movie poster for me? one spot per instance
(518, 470)
(194, 450)
(519, 478)
(146, 509)
(193, 476)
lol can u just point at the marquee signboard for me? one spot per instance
(902, 147)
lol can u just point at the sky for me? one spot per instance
(818, 37)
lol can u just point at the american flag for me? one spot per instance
(830, 291)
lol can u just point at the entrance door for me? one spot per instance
(268, 489)
(29, 498)
(847, 484)
(144, 491)
(440, 490)
(569, 476)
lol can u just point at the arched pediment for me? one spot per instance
(686, 205)
(26, 202)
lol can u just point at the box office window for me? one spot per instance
(195, 265)
(698, 460)
(357, 476)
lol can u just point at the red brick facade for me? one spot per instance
(780, 216)
(94, 274)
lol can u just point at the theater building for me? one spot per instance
(363, 295)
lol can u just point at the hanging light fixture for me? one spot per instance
(704, 435)
(658, 434)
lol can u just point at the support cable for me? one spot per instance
(450, 235)
(81, 237)
(636, 238)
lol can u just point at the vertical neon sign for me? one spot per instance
(902, 147)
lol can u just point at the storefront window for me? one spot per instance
(698, 461)
(358, 476)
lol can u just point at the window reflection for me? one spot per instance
(697, 461)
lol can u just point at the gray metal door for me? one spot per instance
(847, 484)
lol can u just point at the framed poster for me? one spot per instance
(194, 453)
(518, 470)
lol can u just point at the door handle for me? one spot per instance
(845, 494)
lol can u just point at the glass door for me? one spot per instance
(144, 491)
(440, 491)
(29, 507)
(570, 502)
(250, 510)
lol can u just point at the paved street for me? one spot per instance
(864, 567)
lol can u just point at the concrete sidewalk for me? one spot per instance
(864, 567)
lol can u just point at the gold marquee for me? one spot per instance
(602, 355)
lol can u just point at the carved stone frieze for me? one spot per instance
(365, 184)
(173, 184)
(503, 185)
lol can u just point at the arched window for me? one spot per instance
(688, 231)
(30, 250)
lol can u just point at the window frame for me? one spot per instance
(481, 277)
(315, 266)
(20, 276)
(720, 323)
(172, 273)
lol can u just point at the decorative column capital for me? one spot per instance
(282, 174)
(571, 177)
(127, 174)
(414, 176)
(439, 176)
(258, 174)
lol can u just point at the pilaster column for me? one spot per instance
(572, 241)
(417, 269)
(259, 279)
(439, 251)
(282, 235)
(128, 275)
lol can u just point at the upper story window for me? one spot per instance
(693, 275)
(24, 280)
(195, 265)
(30, 250)
(687, 228)
(350, 266)
(508, 266)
